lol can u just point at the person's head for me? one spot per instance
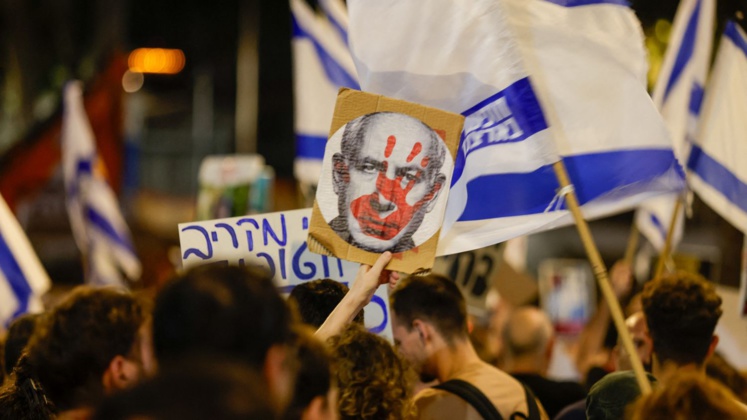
(373, 380)
(91, 344)
(428, 312)
(316, 299)
(528, 337)
(387, 176)
(638, 328)
(19, 333)
(689, 395)
(194, 389)
(681, 310)
(609, 397)
(315, 395)
(225, 311)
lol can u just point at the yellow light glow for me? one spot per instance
(661, 30)
(156, 60)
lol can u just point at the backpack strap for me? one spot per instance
(532, 408)
(473, 396)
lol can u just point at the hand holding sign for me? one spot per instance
(367, 281)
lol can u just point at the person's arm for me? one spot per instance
(592, 337)
(366, 282)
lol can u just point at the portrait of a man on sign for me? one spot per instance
(387, 177)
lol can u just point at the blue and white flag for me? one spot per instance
(95, 217)
(717, 168)
(537, 81)
(337, 14)
(321, 66)
(678, 95)
(23, 280)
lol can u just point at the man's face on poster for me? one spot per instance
(387, 178)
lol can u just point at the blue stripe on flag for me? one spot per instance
(686, 50)
(576, 3)
(696, 98)
(15, 276)
(517, 194)
(101, 222)
(718, 176)
(659, 226)
(310, 147)
(733, 33)
(511, 115)
(334, 71)
(338, 27)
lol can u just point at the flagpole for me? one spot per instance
(600, 272)
(632, 244)
(664, 255)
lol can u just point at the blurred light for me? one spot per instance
(156, 60)
(661, 30)
(132, 81)
(740, 15)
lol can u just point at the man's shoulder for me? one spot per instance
(434, 403)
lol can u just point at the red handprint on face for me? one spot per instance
(384, 213)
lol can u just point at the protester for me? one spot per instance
(682, 310)
(19, 333)
(529, 338)
(223, 311)
(429, 323)
(373, 379)
(196, 390)
(638, 328)
(608, 398)
(689, 395)
(315, 395)
(95, 342)
(316, 299)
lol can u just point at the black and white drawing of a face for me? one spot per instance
(388, 175)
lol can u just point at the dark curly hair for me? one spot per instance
(374, 381)
(682, 310)
(71, 348)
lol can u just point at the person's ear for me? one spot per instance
(340, 173)
(120, 374)
(277, 374)
(438, 185)
(712, 346)
(423, 329)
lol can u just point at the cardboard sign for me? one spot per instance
(385, 178)
(276, 241)
(478, 271)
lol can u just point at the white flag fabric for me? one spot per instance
(536, 80)
(678, 95)
(99, 229)
(321, 66)
(718, 172)
(23, 280)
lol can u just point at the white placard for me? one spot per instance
(276, 241)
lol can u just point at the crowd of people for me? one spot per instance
(220, 342)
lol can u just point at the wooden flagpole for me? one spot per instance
(632, 244)
(664, 255)
(600, 272)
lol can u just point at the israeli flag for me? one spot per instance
(23, 280)
(98, 226)
(337, 14)
(321, 66)
(678, 95)
(537, 81)
(719, 175)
